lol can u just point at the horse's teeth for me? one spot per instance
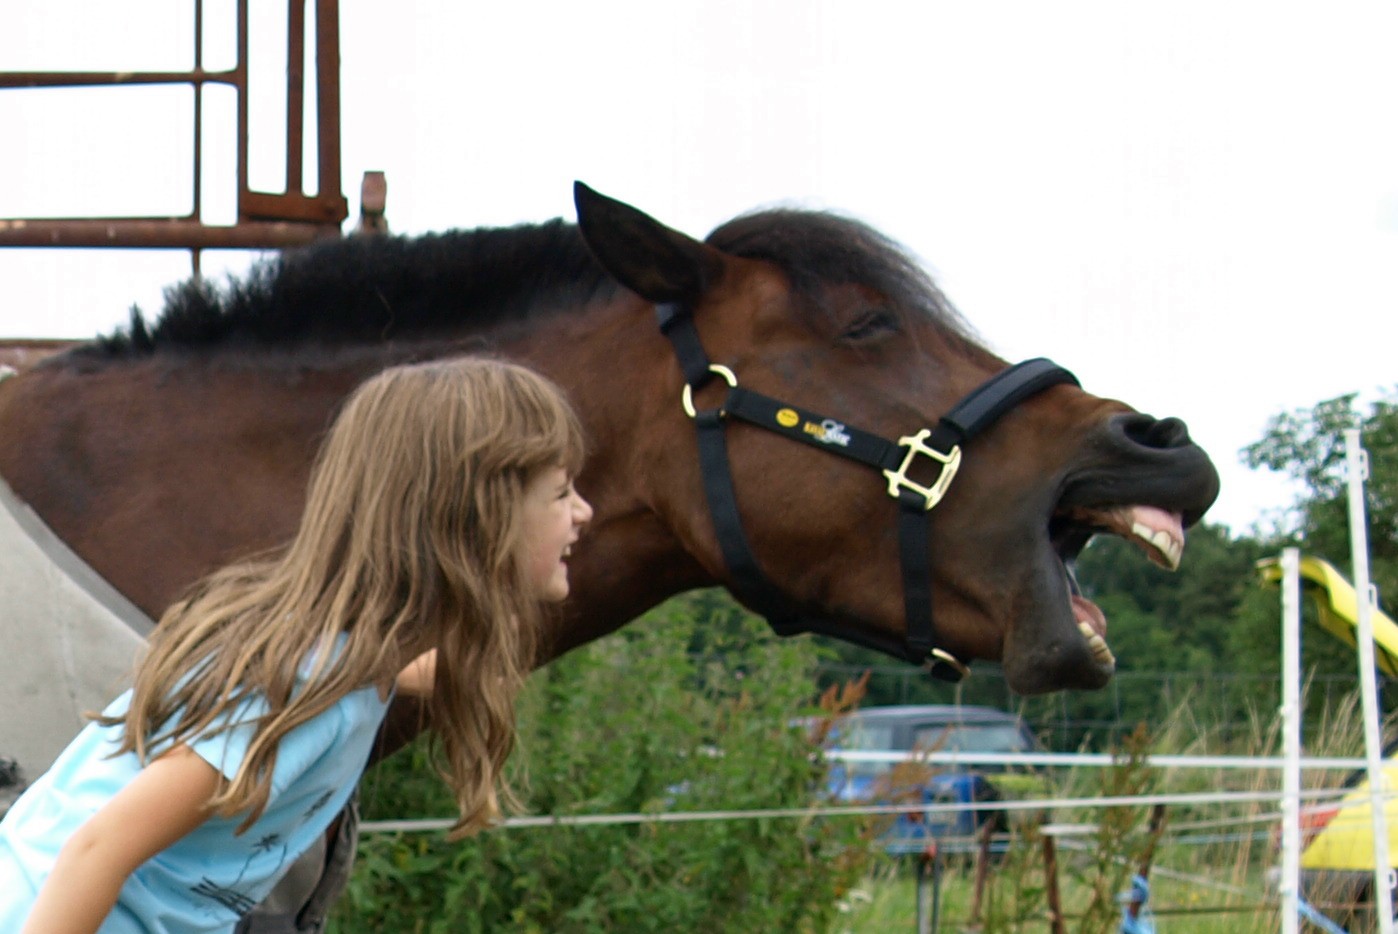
(1100, 650)
(1163, 545)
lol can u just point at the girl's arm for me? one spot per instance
(417, 678)
(167, 800)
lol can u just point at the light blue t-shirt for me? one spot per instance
(210, 878)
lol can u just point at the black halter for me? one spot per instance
(941, 444)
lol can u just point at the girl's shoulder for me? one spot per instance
(335, 739)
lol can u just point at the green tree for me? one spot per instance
(1308, 445)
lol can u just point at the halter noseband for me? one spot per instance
(942, 445)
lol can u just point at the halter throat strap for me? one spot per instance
(941, 445)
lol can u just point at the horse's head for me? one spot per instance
(848, 343)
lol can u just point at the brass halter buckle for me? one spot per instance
(687, 396)
(951, 463)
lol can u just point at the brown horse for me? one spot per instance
(167, 449)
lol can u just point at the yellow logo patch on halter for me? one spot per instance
(787, 418)
(828, 432)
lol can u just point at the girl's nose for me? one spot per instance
(582, 510)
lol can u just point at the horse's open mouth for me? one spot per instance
(1157, 532)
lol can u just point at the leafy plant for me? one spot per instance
(636, 724)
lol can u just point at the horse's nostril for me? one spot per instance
(1156, 433)
(1170, 433)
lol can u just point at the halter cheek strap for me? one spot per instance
(940, 445)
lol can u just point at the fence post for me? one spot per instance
(982, 869)
(1157, 827)
(1358, 469)
(1291, 740)
(1055, 904)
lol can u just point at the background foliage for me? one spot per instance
(689, 709)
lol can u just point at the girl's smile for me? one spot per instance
(554, 515)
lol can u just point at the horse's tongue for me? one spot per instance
(1085, 611)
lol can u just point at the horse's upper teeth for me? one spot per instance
(1165, 548)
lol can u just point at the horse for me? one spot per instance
(165, 449)
(789, 408)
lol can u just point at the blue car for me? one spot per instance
(930, 728)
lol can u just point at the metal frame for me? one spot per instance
(265, 220)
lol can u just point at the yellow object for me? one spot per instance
(1338, 607)
(1346, 842)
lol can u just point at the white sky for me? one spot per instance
(1193, 205)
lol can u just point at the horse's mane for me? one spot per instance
(370, 289)
(817, 247)
(363, 289)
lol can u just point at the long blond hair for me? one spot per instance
(411, 539)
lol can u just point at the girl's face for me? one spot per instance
(554, 515)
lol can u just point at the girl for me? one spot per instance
(439, 518)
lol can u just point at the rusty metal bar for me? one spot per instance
(328, 105)
(295, 93)
(328, 205)
(196, 210)
(264, 219)
(242, 68)
(259, 205)
(73, 79)
(160, 233)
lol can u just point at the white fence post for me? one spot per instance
(1358, 469)
(1291, 739)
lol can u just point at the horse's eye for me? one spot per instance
(874, 323)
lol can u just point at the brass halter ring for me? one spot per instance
(687, 396)
(938, 655)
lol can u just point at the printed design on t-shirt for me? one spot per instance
(233, 900)
(229, 896)
(318, 803)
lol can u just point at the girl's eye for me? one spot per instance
(874, 323)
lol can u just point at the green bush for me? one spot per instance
(685, 710)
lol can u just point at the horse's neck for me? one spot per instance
(157, 470)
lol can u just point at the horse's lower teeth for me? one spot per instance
(1100, 650)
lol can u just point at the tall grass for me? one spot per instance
(1211, 868)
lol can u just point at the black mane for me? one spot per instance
(363, 289)
(371, 289)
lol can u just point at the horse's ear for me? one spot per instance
(650, 259)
